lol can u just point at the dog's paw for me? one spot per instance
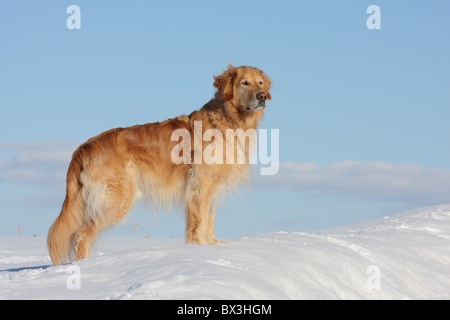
(217, 243)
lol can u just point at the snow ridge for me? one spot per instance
(404, 256)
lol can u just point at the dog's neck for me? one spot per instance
(243, 119)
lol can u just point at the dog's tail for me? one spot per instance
(60, 240)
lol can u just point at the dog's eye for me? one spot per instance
(245, 83)
(261, 83)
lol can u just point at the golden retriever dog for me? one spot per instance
(109, 172)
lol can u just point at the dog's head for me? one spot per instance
(247, 87)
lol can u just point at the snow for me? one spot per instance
(403, 256)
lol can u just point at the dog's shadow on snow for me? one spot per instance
(27, 268)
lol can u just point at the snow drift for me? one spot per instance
(404, 256)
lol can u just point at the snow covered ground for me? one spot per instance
(404, 256)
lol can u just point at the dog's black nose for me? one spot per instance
(261, 96)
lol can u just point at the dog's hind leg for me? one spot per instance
(107, 205)
(85, 236)
(84, 239)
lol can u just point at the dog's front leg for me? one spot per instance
(198, 204)
(197, 219)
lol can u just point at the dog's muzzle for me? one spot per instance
(261, 97)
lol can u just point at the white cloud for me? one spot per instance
(42, 163)
(378, 181)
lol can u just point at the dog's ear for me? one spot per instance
(267, 84)
(225, 83)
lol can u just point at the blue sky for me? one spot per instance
(363, 115)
